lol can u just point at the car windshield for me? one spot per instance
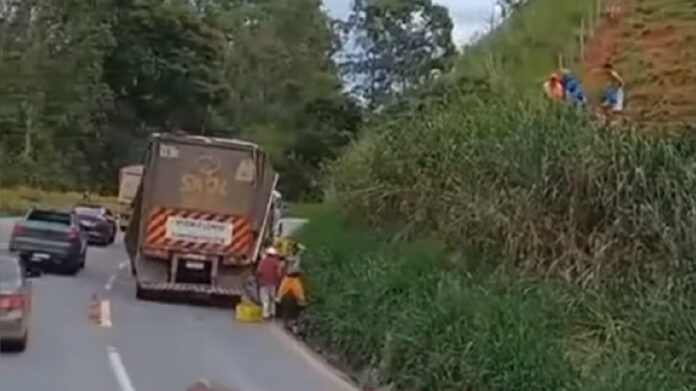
(10, 274)
(49, 216)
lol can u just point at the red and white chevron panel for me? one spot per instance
(198, 232)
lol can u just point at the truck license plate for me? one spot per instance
(40, 257)
(195, 265)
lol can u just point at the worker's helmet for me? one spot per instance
(272, 251)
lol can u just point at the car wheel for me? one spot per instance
(12, 345)
(74, 267)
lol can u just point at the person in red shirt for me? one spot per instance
(268, 274)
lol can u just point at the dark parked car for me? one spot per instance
(50, 238)
(15, 303)
(99, 224)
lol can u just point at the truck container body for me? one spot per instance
(204, 208)
(129, 180)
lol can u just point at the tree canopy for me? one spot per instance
(83, 82)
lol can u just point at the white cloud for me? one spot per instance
(469, 16)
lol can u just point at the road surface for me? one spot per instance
(147, 346)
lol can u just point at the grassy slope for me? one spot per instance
(654, 47)
(411, 315)
(526, 48)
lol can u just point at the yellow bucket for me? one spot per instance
(247, 311)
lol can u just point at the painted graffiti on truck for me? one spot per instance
(205, 182)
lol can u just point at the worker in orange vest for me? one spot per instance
(554, 88)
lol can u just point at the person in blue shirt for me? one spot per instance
(573, 90)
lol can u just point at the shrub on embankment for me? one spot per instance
(410, 316)
(539, 184)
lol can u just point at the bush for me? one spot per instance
(538, 182)
(403, 314)
(19, 200)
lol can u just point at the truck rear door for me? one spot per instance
(199, 198)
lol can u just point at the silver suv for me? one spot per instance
(15, 303)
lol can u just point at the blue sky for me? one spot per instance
(469, 16)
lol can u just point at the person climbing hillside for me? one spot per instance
(553, 87)
(613, 97)
(573, 90)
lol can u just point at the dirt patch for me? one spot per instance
(655, 54)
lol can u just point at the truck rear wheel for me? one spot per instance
(140, 293)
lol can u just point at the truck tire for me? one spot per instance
(140, 292)
(144, 294)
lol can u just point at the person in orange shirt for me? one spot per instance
(291, 299)
(554, 88)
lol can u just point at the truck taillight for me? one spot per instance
(18, 228)
(11, 302)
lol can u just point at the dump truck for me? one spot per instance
(203, 211)
(128, 182)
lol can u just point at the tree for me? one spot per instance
(167, 65)
(400, 45)
(83, 83)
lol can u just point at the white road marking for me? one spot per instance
(110, 283)
(119, 370)
(105, 314)
(112, 279)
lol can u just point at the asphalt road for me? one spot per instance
(147, 346)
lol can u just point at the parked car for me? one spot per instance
(49, 238)
(15, 302)
(99, 224)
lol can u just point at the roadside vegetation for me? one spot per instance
(478, 238)
(19, 200)
(410, 315)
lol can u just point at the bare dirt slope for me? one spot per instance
(653, 45)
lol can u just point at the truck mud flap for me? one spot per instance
(188, 293)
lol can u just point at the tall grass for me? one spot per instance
(538, 183)
(406, 315)
(528, 44)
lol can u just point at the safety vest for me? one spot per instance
(293, 286)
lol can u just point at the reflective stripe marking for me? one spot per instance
(240, 244)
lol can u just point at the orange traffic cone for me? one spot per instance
(95, 309)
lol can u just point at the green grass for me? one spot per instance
(526, 47)
(16, 201)
(506, 243)
(539, 183)
(301, 209)
(411, 316)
